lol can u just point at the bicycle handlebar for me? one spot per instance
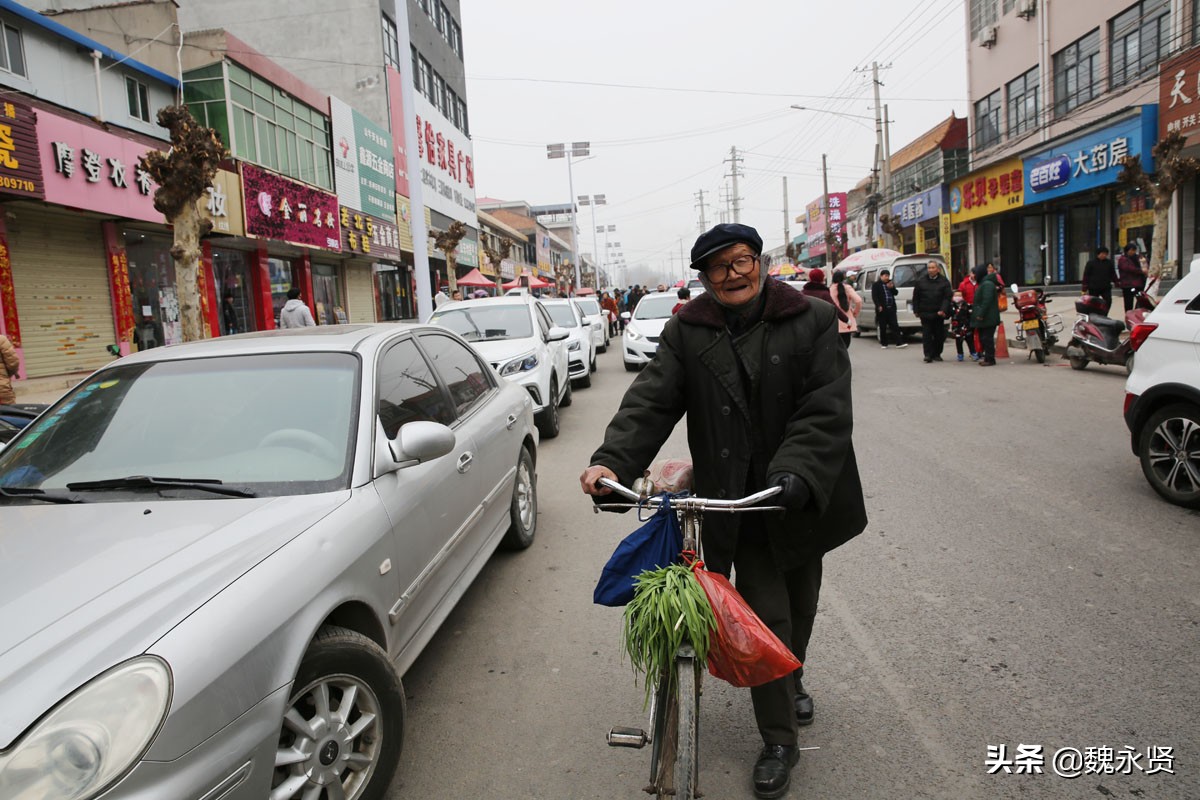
(694, 503)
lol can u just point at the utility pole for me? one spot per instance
(723, 215)
(683, 264)
(825, 206)
(736, 201)
(787, 236)
(887, 147)
(881, 134)
(703, 222)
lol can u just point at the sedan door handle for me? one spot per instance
(512, 420)
(464, 462)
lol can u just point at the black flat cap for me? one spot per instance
(721, 236)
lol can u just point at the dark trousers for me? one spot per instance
(787, 603)
(845, 337)
(987, 343)
(969, 340)
(1107, 295)
(886, 320)
(933, 335)
(1128, 295)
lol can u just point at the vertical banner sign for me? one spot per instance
(118, 278)
(1062, 248)
(944, 240)
(920, 238)
(20, 165)
(8, 298)
(445, 164)
(396, 111)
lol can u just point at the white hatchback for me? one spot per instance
(517, 336)
(639, 342)
(1162, 393)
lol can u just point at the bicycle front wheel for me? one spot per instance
(676, 758)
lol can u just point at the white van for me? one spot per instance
(905, 271)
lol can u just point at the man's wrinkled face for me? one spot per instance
(932, 268)
(734, 274)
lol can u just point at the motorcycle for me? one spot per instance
(1036, 328)
(1097, 337)
(15, 417)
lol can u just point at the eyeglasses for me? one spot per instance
(740, 265)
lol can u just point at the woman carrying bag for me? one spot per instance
(849, 302)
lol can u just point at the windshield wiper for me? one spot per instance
(39, 494)
(149, 482)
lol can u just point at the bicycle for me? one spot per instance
(674, 733)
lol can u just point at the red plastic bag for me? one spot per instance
(744, 651)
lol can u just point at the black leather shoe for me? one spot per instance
(773, 770)
(804, 709)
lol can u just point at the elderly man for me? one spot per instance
(931, 303)
(765, 383)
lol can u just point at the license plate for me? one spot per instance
(1029, 324)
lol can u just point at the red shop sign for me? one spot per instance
(289, 211)
(20, 165)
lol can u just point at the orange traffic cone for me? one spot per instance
(1001, 342)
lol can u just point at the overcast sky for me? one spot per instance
(663, 88)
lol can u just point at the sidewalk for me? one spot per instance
(46, 390)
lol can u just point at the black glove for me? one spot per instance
(795, 494)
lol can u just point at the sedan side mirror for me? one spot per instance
(415, 443)
(557, 334)
(625, 316)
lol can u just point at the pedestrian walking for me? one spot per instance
(1098, 276)
(883, 295)
(10, 365)
(440, 298)
(1131, 275)
(960, 326)
(815, 287)
(757, 369)
(612, 311)
(985, 315)
(295, 313)
(850, 304)
(931, 303)
(967, 287)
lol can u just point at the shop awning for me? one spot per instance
(476, 278)
(525, 279)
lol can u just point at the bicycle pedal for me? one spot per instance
(627, 737)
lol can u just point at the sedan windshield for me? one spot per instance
(655, 306)
(562, 315)
(486, 322)
(236, 426)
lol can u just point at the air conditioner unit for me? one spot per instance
(1026, 9)
(987, 36)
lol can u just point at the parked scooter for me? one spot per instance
(1036, 328)
(1097, 337)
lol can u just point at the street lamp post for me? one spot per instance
(577, 150)
(593, 201)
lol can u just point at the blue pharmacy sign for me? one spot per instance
(1092, 160)
(920, 207)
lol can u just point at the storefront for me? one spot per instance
(920, 218)
(373, 244)
(991, 202)
(1179, 111)
(1074, 205)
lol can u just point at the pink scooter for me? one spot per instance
(1097, 337)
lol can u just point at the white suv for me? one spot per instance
(519, 339)
(581, 348)
(1162, 394)
(597, 317)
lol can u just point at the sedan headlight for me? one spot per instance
(520, 364)
(92, 738)
(573, 345)
(633, 334)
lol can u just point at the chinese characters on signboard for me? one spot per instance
(1092, 160)
(20, 167)
(1179, 94)
(820, 221)
(222, 204)
(396, 108)
(364, 172)
(446, 161)
(997, 188)
(369, 236)
(289, 211)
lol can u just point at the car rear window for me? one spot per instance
(487, 322)
(655, 307)
(562, 315)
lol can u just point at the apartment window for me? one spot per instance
(439, 17)
(462, 113)
(278, 132)
(12, 51)
(987, 121)
(391, 45)
(424, 4)
(1007, 6)
(139, 100)
(1077, 73)
(983, 13)
(424, 77)
(456, 39)
(439, 93)
(1140, 38)
(453, 116)
(1023, 103)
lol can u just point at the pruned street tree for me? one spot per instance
(1172, 170)
(893, 227)
(183, 175)
(447, 241)
(497, 256)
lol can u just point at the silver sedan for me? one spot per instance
(218, 560)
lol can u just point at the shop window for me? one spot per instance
(235, 293)
(139, 100)
(1023, 103)
(1077, 73)
(152, 290)
(279, 272)
(12, 51)
(328, 296)
(1033, 251)
(987, 121)
(1139, 38)
(391, 46)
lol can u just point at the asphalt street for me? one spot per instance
(1018, 584)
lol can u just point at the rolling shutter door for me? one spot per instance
(60, 277)
(360, 292)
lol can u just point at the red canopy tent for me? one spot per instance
(477, 279)
(525, 279)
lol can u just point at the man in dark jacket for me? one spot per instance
(765, 382)
(931, 302)
(883, 294)
(1098, 277)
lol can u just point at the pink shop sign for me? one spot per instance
(84, 167)
(289, 211)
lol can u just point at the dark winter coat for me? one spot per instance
(985, 311)
(821, 292)
(1130, 270)
(880, 295)
(960, 319)
(931, 295)
(789, 411)
(1098, 276)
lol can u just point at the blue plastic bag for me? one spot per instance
(656, 544)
